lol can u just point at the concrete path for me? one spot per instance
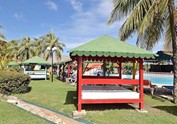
(42, 112)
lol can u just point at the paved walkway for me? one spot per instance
(42, 112)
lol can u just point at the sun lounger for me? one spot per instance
(169, 88)
(148, 84)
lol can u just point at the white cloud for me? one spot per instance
(76, 4)
(19, 16)
(88, 24)
(51, 5)
(105, 7)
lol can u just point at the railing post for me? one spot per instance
(79, 83)
(141, 88)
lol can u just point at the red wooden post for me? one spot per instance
(79, 71)
(120, 69)
(141, 104)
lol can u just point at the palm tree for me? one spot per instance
(13, 49)
(49, 40)
(26, 49)
(38, 45)
(149, 19)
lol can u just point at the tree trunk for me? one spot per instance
(173, 34)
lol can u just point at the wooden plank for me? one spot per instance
(108, 81)
(105, 101)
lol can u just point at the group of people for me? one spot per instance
(73, 76)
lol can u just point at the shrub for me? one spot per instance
(12, 82)
(15, 68)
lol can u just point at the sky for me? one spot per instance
(75, 22)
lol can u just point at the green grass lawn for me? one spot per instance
(59, 96)
(10, 114)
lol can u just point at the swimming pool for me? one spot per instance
(155, 78)
(159, 79)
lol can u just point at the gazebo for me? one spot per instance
(37, 62)
(107, 89)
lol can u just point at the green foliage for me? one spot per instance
(14, 82)
(3, 64)
(15, 68)
(150, 19)
(128, 67)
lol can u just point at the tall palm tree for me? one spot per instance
(49, 40)
(26, 49)
(149, 19)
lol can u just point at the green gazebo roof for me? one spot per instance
(36, 60)
(109, 46)
(13, 63)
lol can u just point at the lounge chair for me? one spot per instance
(148, 84)
(169, 88)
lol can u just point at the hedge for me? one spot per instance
(12, 82)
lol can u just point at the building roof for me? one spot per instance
(64, 59)
(36, 60)
(165, 55)
(108, 46)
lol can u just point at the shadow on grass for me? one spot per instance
(158, 98)
(71, 99)
(169, 109)
(102, 107)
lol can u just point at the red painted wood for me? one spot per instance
(120, 69)
(100, 77)
(109, 81)
(105, 101)
(141, 104)
(79, 71)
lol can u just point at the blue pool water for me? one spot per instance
(166, 79)
(155, 78)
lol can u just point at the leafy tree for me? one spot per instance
(149, 19)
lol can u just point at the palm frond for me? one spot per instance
(157, 8)
(168, 37)
(152, 34)
(121, 8)
(136, 16)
